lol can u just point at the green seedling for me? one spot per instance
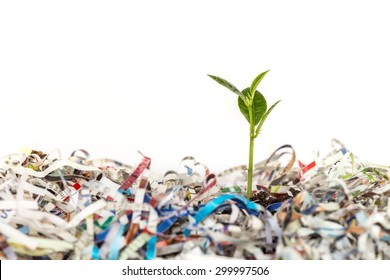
(253, 106)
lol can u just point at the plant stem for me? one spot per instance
(250, 163)
(250, 166)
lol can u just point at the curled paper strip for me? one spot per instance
(335, 207)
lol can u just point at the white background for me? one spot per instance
(113, 77)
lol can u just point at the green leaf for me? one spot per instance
(258, 106)
(257, 81)
(264, 117)
(244, 109)
(226, 84)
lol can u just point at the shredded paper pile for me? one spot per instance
(336, 207)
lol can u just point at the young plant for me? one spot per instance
(253, 106)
